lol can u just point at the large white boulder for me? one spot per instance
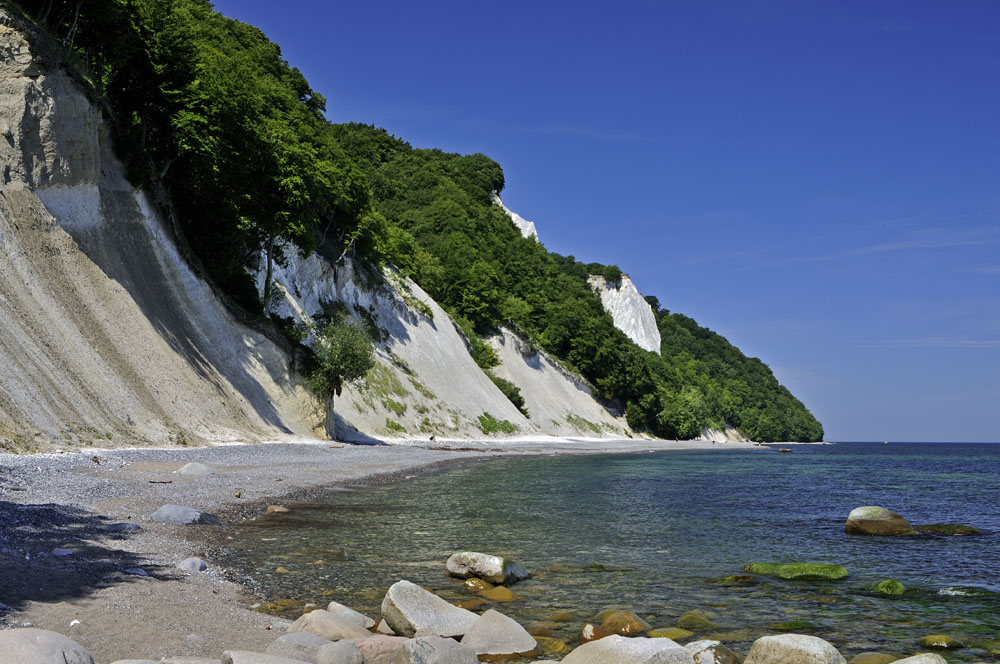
(350, 614)
(708, 651)
(330, 626)
(434, 649)
(793, 649)
(299, 645)
(407, 608)
(496, 635)
(495, 569)
(616, 649)
(379, 649)
(30, 645)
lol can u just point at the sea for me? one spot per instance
(658, 533)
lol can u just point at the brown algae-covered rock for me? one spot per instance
(941, 642)
(696, 621)
(625, 623)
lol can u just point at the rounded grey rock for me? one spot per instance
(192, 564)
(179, 515)
(29, 645)
(407, 608)
(352, 615)
(328, 625)
(434, 650)
(135, 661)
(341, 652)
(497, 635)
(793, 649)
(248, 657)
(195, 468)
(300, 645)
(629, 650)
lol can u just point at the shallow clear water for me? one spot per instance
(654, 531)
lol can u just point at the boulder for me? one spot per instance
(941, 642)
(350, 614)
(434, 649)
(195, 468)
(248, 657)
(178, 515)
(874, 520)
(873, 658)
(712, 652)
(799, 571)
(889, 587)
(495, 569)
(616, 649)
(923, 658)
(591, 632)
(625, 623)
(192, 565)
(499, 594)
(341, 652)
(696, 621)
(300, 645)
(793, 649)
(407, 608)
(29, 645)
(380, 649)
(495, 635)
(477, 585)
(329, 626)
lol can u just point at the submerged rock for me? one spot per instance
(499, 594)
(941, 642)
(674, 633)
(712, 652)
(29, 645)
(793, 649)
(873, 658)
(923, 658)
(407, 608)
(695, 621)
(793, 626)
(495, 569)
(618, 649)
(625, 623)
(875, 520)
(802, 571)
(889, 587)
(948, 529)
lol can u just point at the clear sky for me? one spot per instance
(817, 181)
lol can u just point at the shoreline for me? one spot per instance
(67, 500)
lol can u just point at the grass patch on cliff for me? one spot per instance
(490, 425)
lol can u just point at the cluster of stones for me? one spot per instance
(875, 520)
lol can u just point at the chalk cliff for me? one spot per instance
(526, 227)
(106, 334)
(629, 310)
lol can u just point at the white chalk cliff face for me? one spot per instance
(106, 334)
(526, 227)
(629, 310)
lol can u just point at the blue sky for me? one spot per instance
(819, 182)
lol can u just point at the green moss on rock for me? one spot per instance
(799, 571)
(889, 587)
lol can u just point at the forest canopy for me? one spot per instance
(206, 110)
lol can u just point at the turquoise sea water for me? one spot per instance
(654, 532)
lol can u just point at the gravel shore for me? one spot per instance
(66, 557)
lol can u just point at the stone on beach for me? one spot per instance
(248, 657)
(350, 614)
(875, 520)
(709, 651)
(276, 509)
(341, 652)
(495, 569)
(328, 625)
(793, 649)
(178, 515)
(30, 645)
(407, 608)
(617, 649)
(434, 649)
(496, 635)
(299, 645)
(625, 623)
(192, 564)
(379, 649)
(195, 468)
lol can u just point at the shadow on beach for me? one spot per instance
(32, 536)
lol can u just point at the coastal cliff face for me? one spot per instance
(629, 310)
(425, 382)
(106, 335)
(526, 227)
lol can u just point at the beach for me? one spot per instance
(71, 502)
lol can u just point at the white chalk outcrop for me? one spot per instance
(727, 435)
(629, 310)
(526, 227)
(105, 332)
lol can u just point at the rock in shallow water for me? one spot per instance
(494, 569)
(30, 645)
(407, 608)
(793, 649)
(941, 641)
(625, 623)
(800, 571)
(889, 587)
(695, 621)
(875, 520)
